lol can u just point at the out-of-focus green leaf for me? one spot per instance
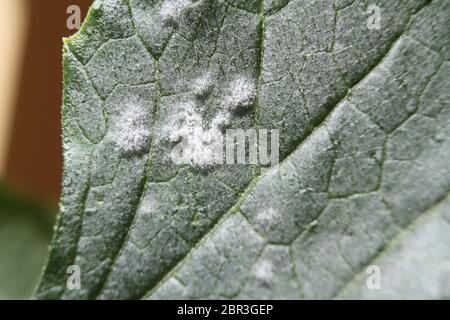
(25, 232)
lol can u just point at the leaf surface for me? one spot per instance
(364, 121)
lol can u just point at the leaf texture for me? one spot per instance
(363, 178)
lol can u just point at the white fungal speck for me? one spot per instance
(263, 272)
(202, 86)
(185, 123)
(194, 145)
(132, 134)
(148, 208)
(199, 145)
(242, 93)
(267, 218)
(221, 120)
(171, 10)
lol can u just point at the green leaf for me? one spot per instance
(364, 121)
(25, 232)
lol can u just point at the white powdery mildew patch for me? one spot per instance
(196, 146)
(221, 120)
(187, 121)
(148, 208)
(171, 10)
(242, 93)
(202, 86)
(133, 134)
(267, 218)
(263, 272)
(201, 147)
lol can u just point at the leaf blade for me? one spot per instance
(159, 236)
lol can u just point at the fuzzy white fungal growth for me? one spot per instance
(186, 123)
(221, 120)
(202, 86)
(171, 10)
(132, 134)
(242, 93)
(264, 272)
(195, 146)
(201, 147)
(149, 206)
(267, 218)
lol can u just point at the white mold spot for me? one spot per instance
(221, 120)
(187, 121)
(148, 208)
(267, 218)
(202, 86)
(199, 145)
(132, 133)
(172, 9)
(242, 93)
(264, 272)
(195, 145)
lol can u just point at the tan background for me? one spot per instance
(31, 33)
(13, 25)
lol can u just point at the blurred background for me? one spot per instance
(31, 33)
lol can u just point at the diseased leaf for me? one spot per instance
(364, 122)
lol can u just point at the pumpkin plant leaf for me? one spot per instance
(356, 101)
